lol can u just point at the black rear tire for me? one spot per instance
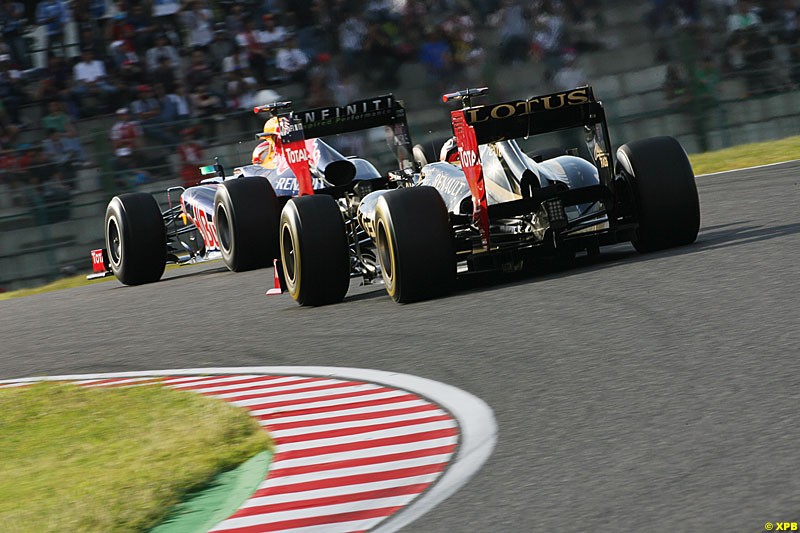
(415, 244)
(136, 238)
(246, 220)
(420, 155)
(314, 250)
(662, 179)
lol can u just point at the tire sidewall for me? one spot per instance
(387, 247)
(289, 223)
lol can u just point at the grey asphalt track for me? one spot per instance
(633, 392)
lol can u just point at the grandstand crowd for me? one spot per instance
(169, 70)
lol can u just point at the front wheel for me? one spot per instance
(662, 179)
(415, 244)
(314, 250)
(246, 220)
(136, 238)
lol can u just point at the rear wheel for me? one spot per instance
(420, 156)
(668, 207)
(136, 238)
(314, 250)
(246, 220)
(415, 244)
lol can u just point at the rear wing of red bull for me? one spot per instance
(483, 124)
(297, 126)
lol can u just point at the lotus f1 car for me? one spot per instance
(488, 205)
(237, 216)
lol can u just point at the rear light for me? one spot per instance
(555, 213)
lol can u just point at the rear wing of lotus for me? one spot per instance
(297, 126)
(483, 124)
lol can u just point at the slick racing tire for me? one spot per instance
(314, 250)
(136, 238)
(421, 156)
(246, 220)
(662, 180)
(415, 244)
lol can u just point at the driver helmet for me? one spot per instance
(449, 152)
(265, 153)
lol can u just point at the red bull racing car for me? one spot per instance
(488, 205)
(237, 216)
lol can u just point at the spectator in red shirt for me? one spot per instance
(126, 133)
(191, 155)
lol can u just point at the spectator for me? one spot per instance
(8, 132)
(743, 17)
(118, 53)
(149, 113)
(292, 62)
(163, 74)
(90, 80)
(548, 29)
(55, 84)
(347, 89)
(570, 75)
(704, 90)
(162, 49)
(181, 103)
(131, 74)
(319, 93)
(53, 14)
(199, 73)
(12, 92)
(788, 24)
(45, 187)
(273, 34)
(511, 23)
(460, 32)
(143, 29)
(165, 18)
(437, 58)
(236, 60)
(351, 41)
(249, 39)
(128, 170)
(234, 20)
(126, 132)
(190, 152)
(12, 22)
(58, 152)
(241, 88)
(380, 61)
(11, 174)
(583, 24)
(676, 86)
(58, 120)
(207, 107)
(90, 37)
(198, 21)
(220, 48)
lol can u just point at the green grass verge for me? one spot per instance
(112, 459)
(63, 283)
(747, 155)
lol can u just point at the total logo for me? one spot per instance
(296, 156)
(292, 156)
(97, 257)
(468, 157)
